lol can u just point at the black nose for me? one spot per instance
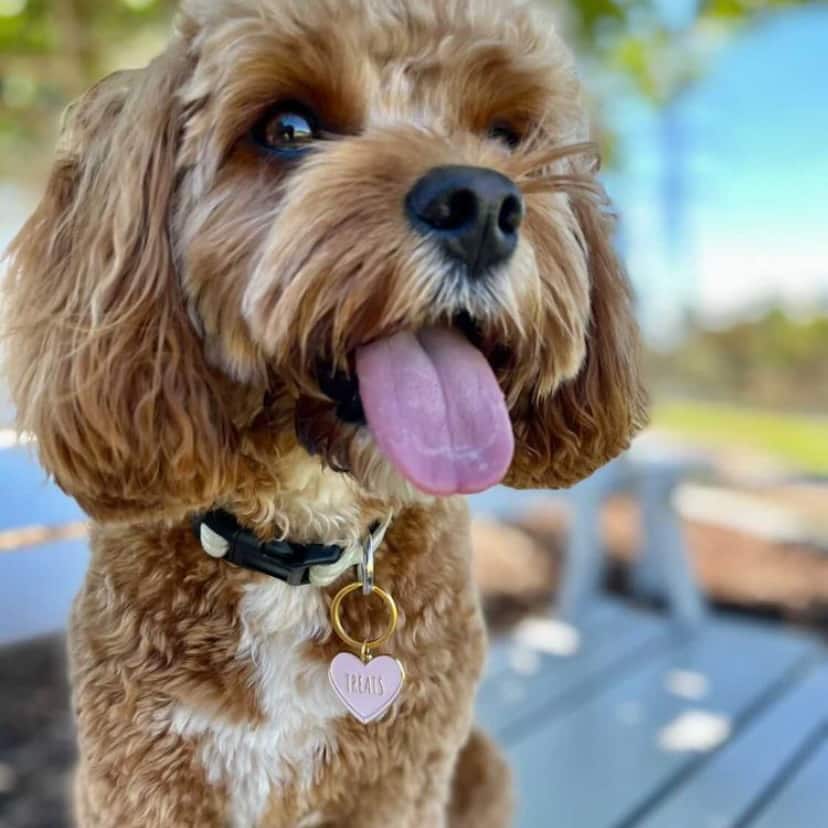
(475, 213)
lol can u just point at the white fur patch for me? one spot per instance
(253, 762)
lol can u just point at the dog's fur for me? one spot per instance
(166, 310)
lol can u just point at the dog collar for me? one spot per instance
(297, 564)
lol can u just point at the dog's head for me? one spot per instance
(309, 214)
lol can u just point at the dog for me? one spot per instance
(319, 269)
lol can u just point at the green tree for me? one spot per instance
(657, 53)
(773, 361)
(50, 51)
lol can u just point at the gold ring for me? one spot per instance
(336, 620)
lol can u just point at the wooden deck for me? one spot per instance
(628, 724)
(642, 726)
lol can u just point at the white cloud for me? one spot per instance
(748, 272)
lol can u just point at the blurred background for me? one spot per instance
(713, 116)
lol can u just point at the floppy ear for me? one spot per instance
(103, 362)
(588, 420)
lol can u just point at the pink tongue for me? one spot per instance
(436, 411)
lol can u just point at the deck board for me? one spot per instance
(723, 792)
(533, 684)
(507, 650)
(803, 803)
(601, 761)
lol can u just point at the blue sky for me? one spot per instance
(755, 219)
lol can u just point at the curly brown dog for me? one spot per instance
(321, 262)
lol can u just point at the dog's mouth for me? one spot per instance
(433, 405)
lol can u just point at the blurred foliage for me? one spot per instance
(50, 50)
(798, 441)
(662, 54)
(761, 362)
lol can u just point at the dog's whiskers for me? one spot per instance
(541, 170)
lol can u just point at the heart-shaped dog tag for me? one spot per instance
(367, 690)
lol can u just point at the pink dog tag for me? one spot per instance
(367, 690)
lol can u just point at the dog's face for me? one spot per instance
(367, 226)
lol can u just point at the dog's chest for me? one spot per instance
(255, 762)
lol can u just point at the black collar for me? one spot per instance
(287, 561)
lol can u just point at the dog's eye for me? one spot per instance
(288, 130)
(505, 134)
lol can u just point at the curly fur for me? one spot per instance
(166, 310)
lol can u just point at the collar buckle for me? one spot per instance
(287, 561)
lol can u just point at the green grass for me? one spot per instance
(797, 440)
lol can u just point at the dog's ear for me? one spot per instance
(104, 365)
(590, 419)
